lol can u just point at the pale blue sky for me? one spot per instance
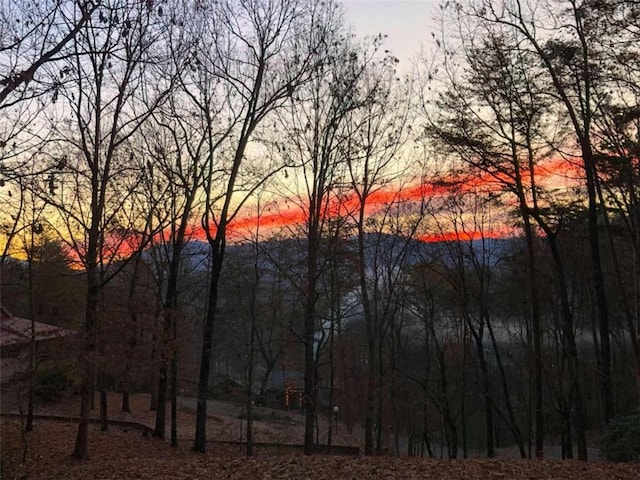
(408, 23)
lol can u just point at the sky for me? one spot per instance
(556, 173)
(408, 24)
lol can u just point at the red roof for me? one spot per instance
(17, 331)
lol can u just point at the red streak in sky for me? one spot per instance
(345, 206)
(553, 170)
(268, 220)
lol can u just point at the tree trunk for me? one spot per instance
(463, 393)
(606, 384)
(161, 407)
(369, 409)
(370, 397)
(126, 406)
(379, 397)
(174, 390)
(308, 336)
(250, 371)
(486, 394)
(565, 435)
(569, 345)
(425, 429)
(32, 375)
(513, 425)
(81, 448)
(153, 397)
(537, 338)
(451, 434)
(631, 325)
(309, 327)
(333, 412)
(32, 337)
(217, 254)
(104, 419)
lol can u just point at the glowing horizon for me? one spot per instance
(557, 171)
(288, 214)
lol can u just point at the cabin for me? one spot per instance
(16, 335)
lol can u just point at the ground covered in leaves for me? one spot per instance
(274, 426)
(127, 455)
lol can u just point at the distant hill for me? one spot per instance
(379, 248)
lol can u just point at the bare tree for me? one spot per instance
(32, 36)
(107, 72)
(617, 127)
(495, 116)
(318, 126)
(375, 138)
(176, 145)
(263, 51)
(571, 62)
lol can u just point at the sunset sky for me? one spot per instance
(409, 25)
(287, 215)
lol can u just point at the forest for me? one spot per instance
(445, 254)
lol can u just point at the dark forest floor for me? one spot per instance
(123, 453)
(120, 454)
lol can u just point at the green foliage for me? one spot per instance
(621, 440)
(51, 384)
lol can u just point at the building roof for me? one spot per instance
(17, 331)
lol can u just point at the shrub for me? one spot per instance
(621, 439)
(50, 385)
